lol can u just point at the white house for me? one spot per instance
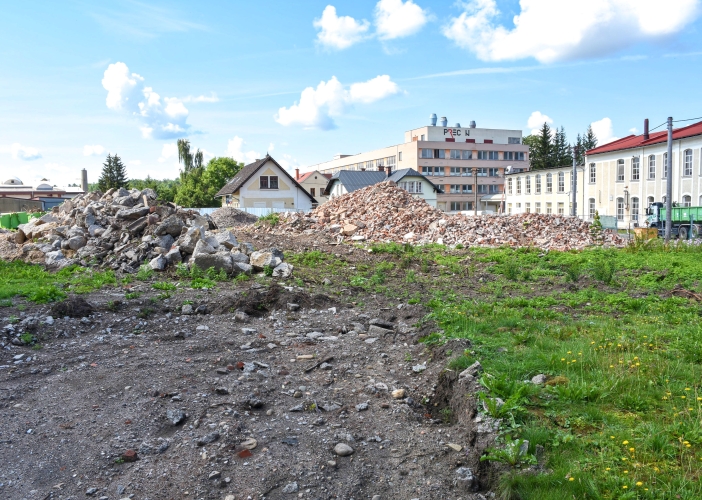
(265, 184)
(546, 191)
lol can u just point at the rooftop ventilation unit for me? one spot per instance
(458, 125)
(444, 121)
(432, 117)
(472, 124)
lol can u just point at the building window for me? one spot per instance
(514, 140)
(593, 173)
(549, 207)
(482, 188)
(312, 190)
(635, 169)
(414, 187)
(687, 162)
(440, 153)
(493, 155)
(519, 207)
(457, 206)
(652, 166)
(519, 185)
(427, 153)
(455, 154)
(527, 185)
(399, 156)
(561, 182)
(527, 208)
(467, 188)
(494, 172)
(665, 165)
(466, 155)
(509, 186)
(482, 172)
(537, 181)
(537, 207)
(455, 171)
(422, 137)
(635, 209)
(268, 182)
(620, 170)
(435, 171)
(620, 208)
(488, 155)
(494, 189)
(391, 160)
(561, 208)
(455, 189)
(509, 209)
(508, 155)
(549, 183)
(369, 165)
(591, 208)
(687, 200)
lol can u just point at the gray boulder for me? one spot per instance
(283, 270)
(166, 241)
(124, 201)
(244, 268)
(173, 256)
(188, 241)
(203, 248)
(159, 263)
(96, 230)
(217, 260)
(132, 213)
(227, 240)
(238, 256)
(172, 225)
(77, 242)
(266, 258)
(246, 248)
(212, 241)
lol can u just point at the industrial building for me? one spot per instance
(466, 163)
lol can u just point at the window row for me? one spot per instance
(457, 206)
(461, 171)
(462, 154)
(414, 187)
(650, 168)
(560, 207)
(560, 186)
(468, 189)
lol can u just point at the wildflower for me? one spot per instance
(574, 361)
(612, 366)
(638, 364)
(626, 472)
(612, 437)
(687, 388)
(682, 397)
(625, 442)
(625, 487)
(571, 479)
(611, 469)
(631, 450)
(562, 359)
(636, 357)
(569, 352)
(639, 483)
(592, 343)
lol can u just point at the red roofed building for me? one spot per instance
(314, 183)
(623, 177)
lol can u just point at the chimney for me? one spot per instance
(363, 169)
(646, 136)
(388, 170)
(381, 168)
(84, 180)
(297, 174)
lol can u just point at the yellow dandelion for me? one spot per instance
(571, 479)
(574, 360)
(687, 389)
(639, 483)
(611, 469)
(625, 442)
(626, 472)
(562, 359)
(625, 487)
(631, 450)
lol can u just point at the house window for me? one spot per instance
(508, 155)
(509, 186)
(422, 137)
(561, 182)
(467, 172)
(527, 185)
(519, 156)
(268, 182)
(509, 209)
(620, 170)
(493, 155)
(635, 209)
(399, 156)
(527, 208)
(620, 208)
(414, 187)
(665, 165)
(312, 191)
(455, 154)
(494, 172)
(440, 153)
(649, 201)
(549, 207)
(538, 183)
(427, 153)
(391, 160)
(435, 171)
(514, 140)
(537, 207)
(494, 189)
(519, 207)
(591, 208)
(687, 200)
(457, 206)
(635, 169)
(593, 173)
(369, 164)
(467, 188)
(519, 185)
(466, 155)
(687, 162)
(561, 208)
(549, 183)
(487, 155)
(652, 166)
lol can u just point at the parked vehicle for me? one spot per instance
(686, 222)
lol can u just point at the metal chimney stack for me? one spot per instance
(84, 180)
(646, 136)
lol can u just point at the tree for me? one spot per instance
(579, 151)
(114, 174)
(190, 161)
(198, 187)
(590, 139)
(165, 189)
(561, 150)
(541, 149)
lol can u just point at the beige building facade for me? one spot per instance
(314, 183)
(546, 191)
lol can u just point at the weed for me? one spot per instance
(408, 357)
(199, 283)
(268, 271)
(132, 295)
(309, 259)
(112, 306)
(37, 347)
(187, 302)
(182, 270)
(510, 269)
(145, 312)
(272, 219)
(446, 415)
(460, 363)
(572, 272)
(164, 285)
(27, 338)
(410, 277)
(145, 273)
(603, 269)
(515, 453)
(240, 278)
(215, 275)
(6, 303)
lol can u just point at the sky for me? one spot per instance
(306, 80)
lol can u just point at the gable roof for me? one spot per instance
(304, 176)
(355, 179)
(249, 171)
(637, 141)
(410, 172)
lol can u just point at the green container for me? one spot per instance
(23, 217)
(5, 221)
(681, 215)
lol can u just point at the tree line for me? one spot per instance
(195, 187)
(550, 148)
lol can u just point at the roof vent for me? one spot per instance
(444, 121)
(472, 124)
(458, 125)
(432, 117)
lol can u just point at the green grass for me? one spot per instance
(623, 418)
(164, 285)
(37, 285)
(272, 219)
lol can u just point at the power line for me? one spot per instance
(676, 121)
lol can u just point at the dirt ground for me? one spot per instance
(247, 399)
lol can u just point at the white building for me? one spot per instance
(545, 191)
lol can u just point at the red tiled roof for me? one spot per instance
(637, 141)
(304, 176)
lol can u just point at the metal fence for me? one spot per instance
(258, 212)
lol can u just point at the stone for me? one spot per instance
(54, 258)
(220, 261)
(166, 241)
(130, 456)
(246, 248)
(539, 379)
(343, 450)
(227, 240)
(243, 268)
(419, 368)
(188, 241)
(349, 229)
(159, 263)
(208, 438)
(77, 242)
(203, 247)
(455, 447)
(266, 258)
(314, 335)
(215, 474)
(172, 225)
(174, 256)
(499, 402)
(96, 230)
(398, 394)
(132, 213)
(465, 478)
(239, 257)
(175, 416)
(290, 488)
(91, 491)
(378, 331)
(292, 307)
(362, 407)
(187, 309)
(382, 323)
(473, 370)
(283, 270)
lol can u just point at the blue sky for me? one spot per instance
(306, 80)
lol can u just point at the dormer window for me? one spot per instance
(269, 182)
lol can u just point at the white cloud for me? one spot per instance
(634, 130)
(339, 32)
(235, 148)
(24, 152)
(94, 150)
(288, 162)
(536, 121)
(396, 19)
(271, 147)
(161, 119)
(555, 30)
(317, 107)
(201, 98)
(604, 131)
(168, 151)
(134, 163)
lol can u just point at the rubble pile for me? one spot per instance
(124, 230)
(232, 217)
(385, 213)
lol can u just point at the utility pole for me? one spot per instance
(669, 183)
(475, 190)
(574, 184)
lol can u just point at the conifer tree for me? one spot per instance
(541, 149)
(562, 153)
(590, 139)
(114, 174)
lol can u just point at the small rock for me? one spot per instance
(539, 379)
(293, 307)
(187, 309)
(419, 368)
(130, 456)
(473, 370)
(175, 416)
(455, 447)
(362, 407)
(222, 391)
(208, 438)
(465, 478)
(215, 474)
(343, 450)
(91, 491)
(290, 488)
(398, 393)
